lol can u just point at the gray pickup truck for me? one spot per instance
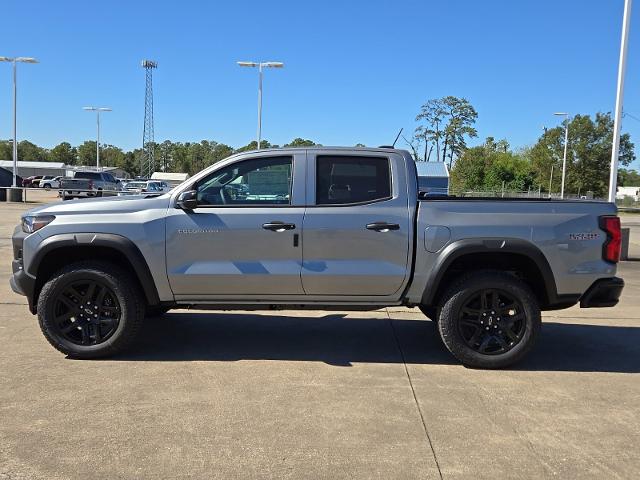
(319, 228)
(88, 184)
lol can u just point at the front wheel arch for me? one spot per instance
(60, 250)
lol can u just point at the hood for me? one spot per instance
(102, 205)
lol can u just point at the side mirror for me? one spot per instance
(187, 200)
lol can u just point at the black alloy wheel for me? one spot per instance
(86, 312)
(491, 321)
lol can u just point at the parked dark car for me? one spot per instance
(30, 181)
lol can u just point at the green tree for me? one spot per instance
(130, 165)
(588, 154)
(490, 166)
(628, 178)
(111, 156)
(444, 125)
(87, 153)
(64, 153)
(300, 142)
(252, 146)
(461, 117)
(6, 150)
(430, 133)
(30, 152)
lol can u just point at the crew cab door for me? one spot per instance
(357, 226)
(243, 238)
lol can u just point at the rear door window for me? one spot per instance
(343, 179)
(88, 175)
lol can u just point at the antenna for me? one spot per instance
(397, 137)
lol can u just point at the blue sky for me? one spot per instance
(355, 71)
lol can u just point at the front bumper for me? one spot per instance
(20, 281)
(22, 284)
(603, 293)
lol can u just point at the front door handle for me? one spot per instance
(382, 226)
(278, 226)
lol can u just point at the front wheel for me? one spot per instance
(489, 319)
(90, 310)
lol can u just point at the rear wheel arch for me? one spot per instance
(519, 257)
(60, 250)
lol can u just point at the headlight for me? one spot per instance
(32, 223)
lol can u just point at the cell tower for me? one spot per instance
(147, 162)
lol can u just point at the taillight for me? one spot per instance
(90, 184)
(613, 244)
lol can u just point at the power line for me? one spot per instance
(627, 114)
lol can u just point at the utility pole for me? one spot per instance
(564, 157)
(622, 65)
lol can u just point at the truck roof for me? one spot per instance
(329, 147)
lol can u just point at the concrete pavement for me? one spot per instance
(319, 395)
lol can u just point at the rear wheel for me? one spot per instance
(489, 319)
(90, 310)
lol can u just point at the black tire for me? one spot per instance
(480, 328)
(71, 325)
(155, 311)
(47, 186)
(99, 193)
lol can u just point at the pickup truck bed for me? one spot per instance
(329, 228)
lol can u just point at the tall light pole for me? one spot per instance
(260, 65)
(16, 60)
(97, 110)
(566, 143)
(622, 65)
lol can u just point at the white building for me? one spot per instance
(633, 192)
(28, 169)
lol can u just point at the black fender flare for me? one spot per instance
(108, 240)
(459, 248)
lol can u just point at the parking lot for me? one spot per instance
(320, 395)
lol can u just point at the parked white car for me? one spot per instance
(50, 182)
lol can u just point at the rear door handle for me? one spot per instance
(382, 226)
(278, 226)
